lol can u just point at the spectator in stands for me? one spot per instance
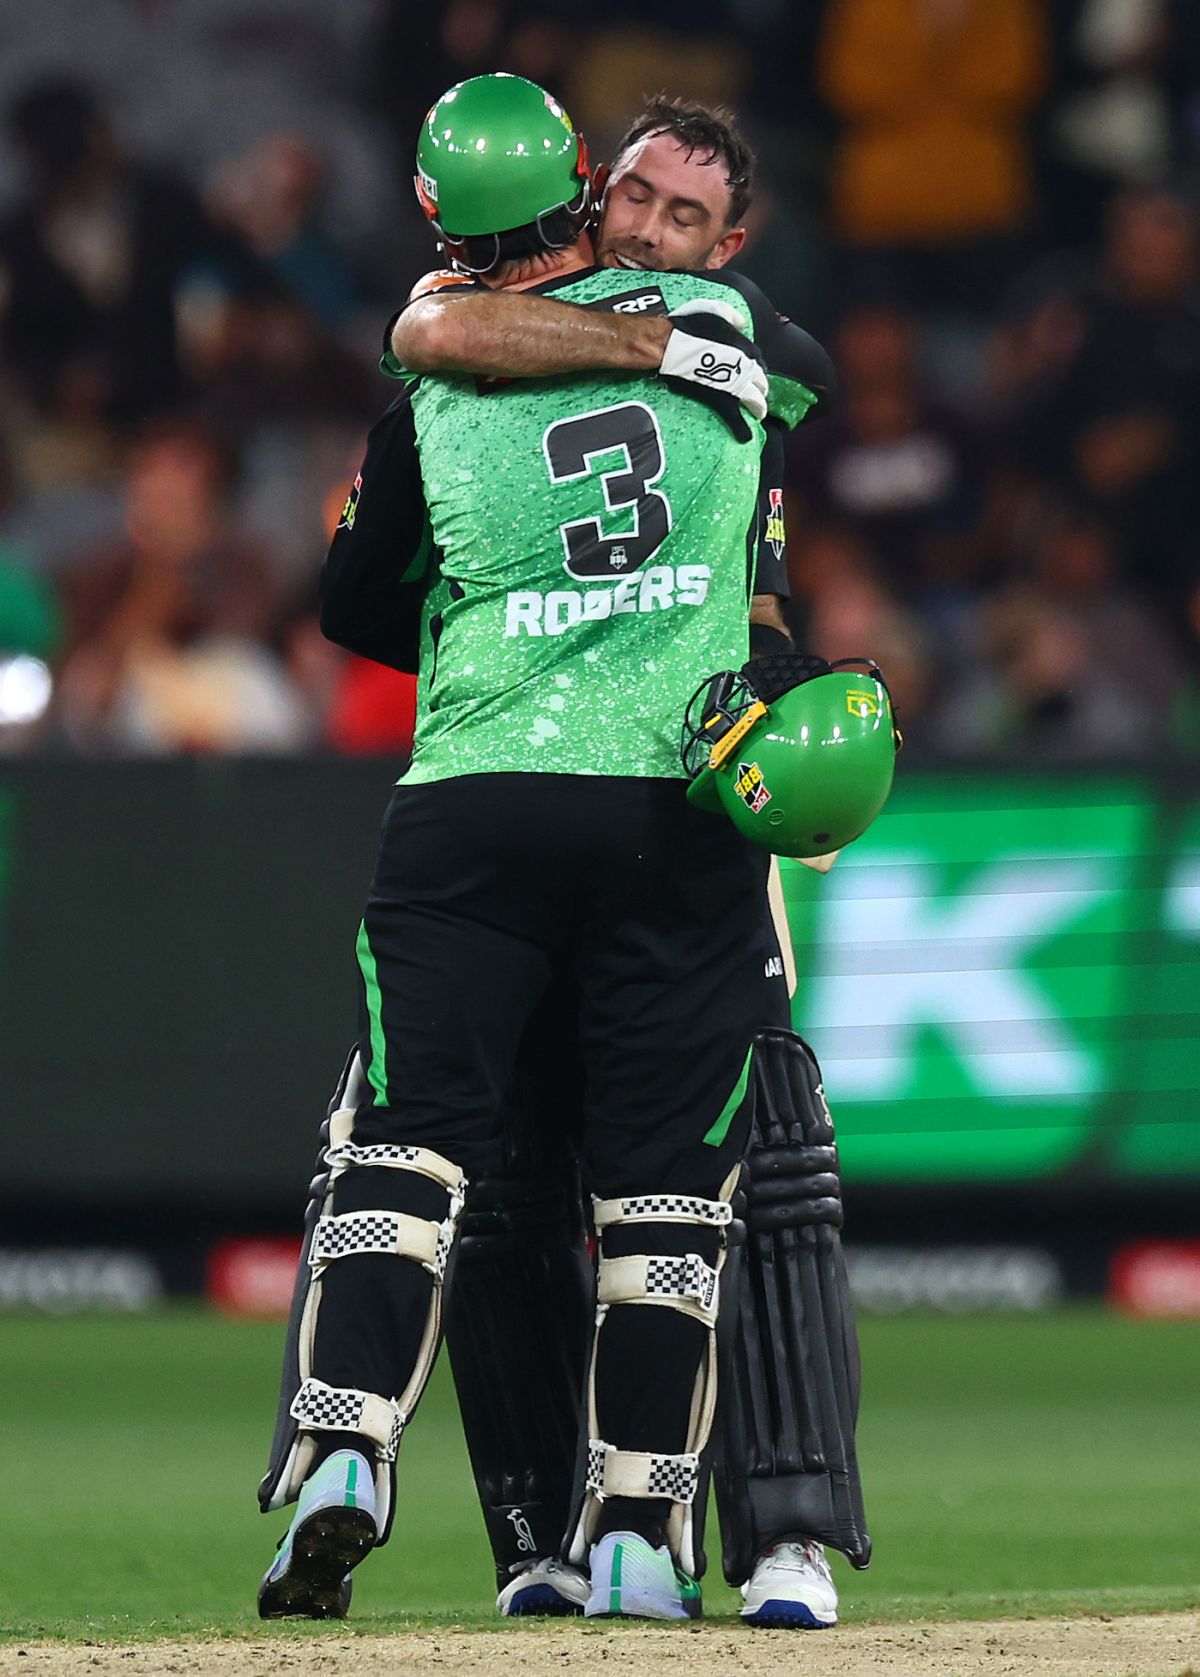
(93, 262)
(904, 471)
(1106, 122)
(167, 626)
(931, 177)
(1070, 665)
(1108, 403)
(271, 196)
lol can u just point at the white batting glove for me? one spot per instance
(714, 359)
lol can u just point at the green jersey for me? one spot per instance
(594, 536)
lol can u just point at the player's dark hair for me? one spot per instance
(711, 130)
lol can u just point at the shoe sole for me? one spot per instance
(325, 1548)
(787, 1615)
(657, 1618)
(541, 1601)
(644, 1608)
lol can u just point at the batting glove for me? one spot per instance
(712, 359)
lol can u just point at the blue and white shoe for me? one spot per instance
(333, 1530)
(632, 1580)
(548, 1588)
(791, 1588)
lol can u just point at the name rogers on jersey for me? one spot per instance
(653, 588)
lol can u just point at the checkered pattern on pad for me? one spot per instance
(674, 1476)
(352, 1233)
(681, 1278)
(641, 1474)
(666, 1207)
(349, 1153)
(323, 1408)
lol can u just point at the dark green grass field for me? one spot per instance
(1013, 1466)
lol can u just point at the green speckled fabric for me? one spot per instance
(556, 641)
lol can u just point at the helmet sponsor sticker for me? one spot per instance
(860, 703)
(736, 734)
(751, 788)
(555, 109)
(428, 183)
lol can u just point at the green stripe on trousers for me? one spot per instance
(720, 1128)
(377, 1070)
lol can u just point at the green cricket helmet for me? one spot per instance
(799, 753)
(501, 172)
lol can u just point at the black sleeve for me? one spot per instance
(803, 381)
(770, 569)
(382, 558)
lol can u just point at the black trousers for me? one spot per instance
(489, 892)
(492, 889)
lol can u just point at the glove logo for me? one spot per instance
(712, 371)
(751, 788)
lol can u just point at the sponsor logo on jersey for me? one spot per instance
(346, 521)
(773, 967)
(774, 532)
(862, 704)
(654, 588)
(647, 300)
(751, 788)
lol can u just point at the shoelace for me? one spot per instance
(796, 1556)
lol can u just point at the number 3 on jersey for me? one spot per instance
(572, 448)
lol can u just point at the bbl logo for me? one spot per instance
(346, 521)
(775, 535)
(751, 788)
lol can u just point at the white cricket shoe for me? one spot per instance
(333, 1529)
(632, 1580)
(548, 1588)
(791, 1588)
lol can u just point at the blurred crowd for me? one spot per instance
(988, 209)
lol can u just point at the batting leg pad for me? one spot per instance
(518, 1328)
(686, 1283)
(309, 1406)
(786, 1464)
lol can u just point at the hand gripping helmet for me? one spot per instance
(797, 752)
(501, 172)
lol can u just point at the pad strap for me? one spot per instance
(663, 1208)
(686, 1284)
(389, 1233)
(342, 1155)
(639, 1473)
(321, 1408)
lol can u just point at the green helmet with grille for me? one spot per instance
(797, 752)
(501, 172)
